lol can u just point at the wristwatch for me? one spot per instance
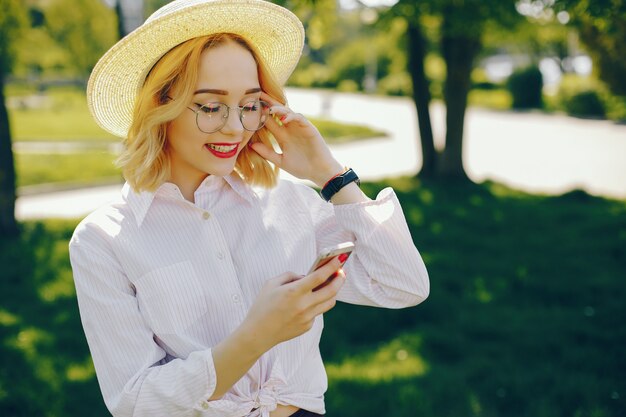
(338, 182)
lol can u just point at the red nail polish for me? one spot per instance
(334, 275)
(343, 257)
(282, 118)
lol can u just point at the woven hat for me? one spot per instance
(276, 33)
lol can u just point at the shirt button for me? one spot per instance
(206, 215)
(205, 406)
(236, 298)
(220, 255)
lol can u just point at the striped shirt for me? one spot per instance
(160, 280)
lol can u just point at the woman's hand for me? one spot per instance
(304, 154)
(287, 306)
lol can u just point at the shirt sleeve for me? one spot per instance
(385, 269)
(136, 376)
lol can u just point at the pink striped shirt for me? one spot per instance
(160, 281)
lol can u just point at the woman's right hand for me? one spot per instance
(287, 306)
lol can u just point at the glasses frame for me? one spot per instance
(227, 115)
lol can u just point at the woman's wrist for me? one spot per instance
(326, 174)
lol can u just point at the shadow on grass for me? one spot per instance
(46, 368)
(525, 317)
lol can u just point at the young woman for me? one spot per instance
(192, 288)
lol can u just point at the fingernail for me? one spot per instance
(343, 257)
(282, 118)
(334, 275)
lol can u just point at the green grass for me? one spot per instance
(498, 99)
(525, 317)
(64, 116)
(80, 168)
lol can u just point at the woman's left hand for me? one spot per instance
(304, 154)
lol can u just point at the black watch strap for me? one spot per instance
(334, 185)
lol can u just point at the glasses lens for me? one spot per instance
(254, 114)
(211, 117)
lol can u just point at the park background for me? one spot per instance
(526, 312)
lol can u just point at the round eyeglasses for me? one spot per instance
(212, 117)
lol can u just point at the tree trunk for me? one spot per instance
(421, 97)
(8, 225)
(458, 52)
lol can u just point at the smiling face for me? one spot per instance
(227, 74)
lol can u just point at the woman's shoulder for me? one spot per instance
(102, 224)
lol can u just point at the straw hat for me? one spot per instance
(112, 89)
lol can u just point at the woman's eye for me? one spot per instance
(250, 107)
(210, 108)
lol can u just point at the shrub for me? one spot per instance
(526, 87)
(582, 96)
(587, 103)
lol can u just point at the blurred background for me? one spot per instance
(499, 123)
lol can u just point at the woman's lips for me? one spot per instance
(223, 150)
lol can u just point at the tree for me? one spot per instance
(461, 29)
(601, 26)
(12, 19)
(85, 28)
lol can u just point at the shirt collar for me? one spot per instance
(140, 202)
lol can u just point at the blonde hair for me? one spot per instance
(144, 160)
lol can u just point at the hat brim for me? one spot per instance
(112, 89)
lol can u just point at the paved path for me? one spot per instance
(531, 151)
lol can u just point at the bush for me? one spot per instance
(526, 87)
(582, 97)
(585, 104)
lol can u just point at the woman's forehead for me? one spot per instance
(228, 67)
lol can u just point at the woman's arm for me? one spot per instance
(134, 373)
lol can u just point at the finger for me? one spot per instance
(270, 99)
(283, 279)
(324, 307)
(292, 117)
(267, 153)
(319, 276)
(280, 110)
(330, 288)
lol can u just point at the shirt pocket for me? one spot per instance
(171, 298)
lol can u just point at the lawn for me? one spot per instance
(525, 317)
(85, 168)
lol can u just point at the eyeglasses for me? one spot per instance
(212, 117)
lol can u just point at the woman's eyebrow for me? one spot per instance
(224, 92)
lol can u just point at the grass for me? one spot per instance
(64, 116)
(77, 168)
(525, 317)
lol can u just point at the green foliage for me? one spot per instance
(601, 25)
(86, 28)
(526, 87)
(45, 362)
(12, 20)
(582, 96)
(524, 317)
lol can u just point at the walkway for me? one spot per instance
(530, 151)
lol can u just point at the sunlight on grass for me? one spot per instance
(28, 339)
(395, 360)
(81, 371)
(85, 167)
(8, 319)
(62, 286)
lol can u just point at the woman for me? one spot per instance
(190, 287)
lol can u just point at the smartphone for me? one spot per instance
(342, 250)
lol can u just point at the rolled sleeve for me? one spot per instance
(386, 269)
